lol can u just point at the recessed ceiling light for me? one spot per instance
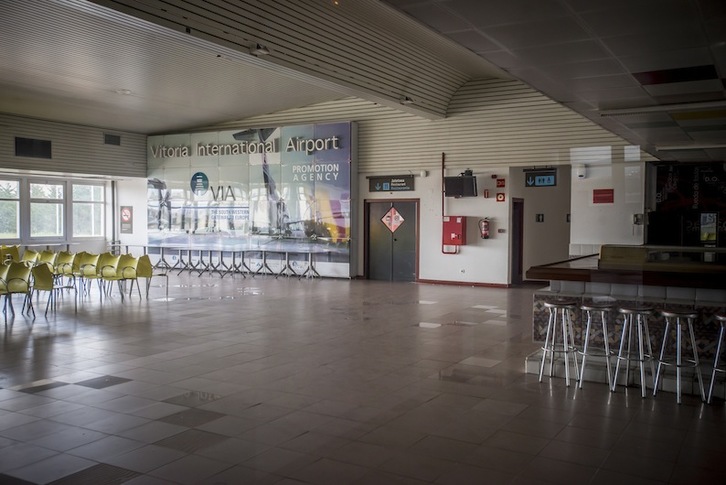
(123, 92)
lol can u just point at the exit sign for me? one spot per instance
(540, 177)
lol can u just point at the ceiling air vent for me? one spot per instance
(111, 139)
(30, 147)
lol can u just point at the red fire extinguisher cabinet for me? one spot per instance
(454, 230)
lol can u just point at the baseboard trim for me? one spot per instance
(463, 283)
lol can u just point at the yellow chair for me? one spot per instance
(44, 280)
(107, 272)
(30, 256)
(17, 281)
(4, 268)
(145, 269)
(47, 256)
(125, 271)
(84, 268)
(64, 266)
(10, 253)
(104, 262)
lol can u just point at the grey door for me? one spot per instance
(391, 243)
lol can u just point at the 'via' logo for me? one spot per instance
(200, 186)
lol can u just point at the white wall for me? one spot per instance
(480, 260)
(594, 224)
(132, 192)
(77, 150)
(492, 126)
(548, 241)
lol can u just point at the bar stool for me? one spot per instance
(603, 308)
(640, 314)
(561, 309)
(679, 316)
(721, 317)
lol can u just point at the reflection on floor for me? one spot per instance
(327, 382)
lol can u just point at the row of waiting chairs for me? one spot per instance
(47, 270)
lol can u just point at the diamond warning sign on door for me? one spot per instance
(392, 219)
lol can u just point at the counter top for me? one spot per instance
(585, 268)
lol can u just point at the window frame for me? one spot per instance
(18, 233)
(60, 202)
(66, 203)
(98, 205)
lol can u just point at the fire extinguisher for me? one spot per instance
(484, 228)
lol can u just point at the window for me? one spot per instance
(9, 209)
(46, 210)
(35, 210)
(88, 210)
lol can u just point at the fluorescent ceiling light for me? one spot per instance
(662, 108)
(702, 146)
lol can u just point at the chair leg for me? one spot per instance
(51, 298)
(28, 296)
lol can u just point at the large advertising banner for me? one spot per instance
(282, 189)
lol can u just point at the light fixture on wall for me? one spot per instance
(405, 100)
(259, 50)
(580, 171)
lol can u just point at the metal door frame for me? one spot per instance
(516, 256)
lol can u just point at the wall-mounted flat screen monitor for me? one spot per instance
(460, 186)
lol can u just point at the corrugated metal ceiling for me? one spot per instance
(187, 63)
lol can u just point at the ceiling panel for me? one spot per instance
(672, 59)
(593, 55)
(560, 30)
(550, 55)
(499, 12)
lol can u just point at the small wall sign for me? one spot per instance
(603, 196)
(391, 183)
(127, 219)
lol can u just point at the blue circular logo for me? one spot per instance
(200, 183)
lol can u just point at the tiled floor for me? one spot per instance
(327, 382)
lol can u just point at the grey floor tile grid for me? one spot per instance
(327, 382)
